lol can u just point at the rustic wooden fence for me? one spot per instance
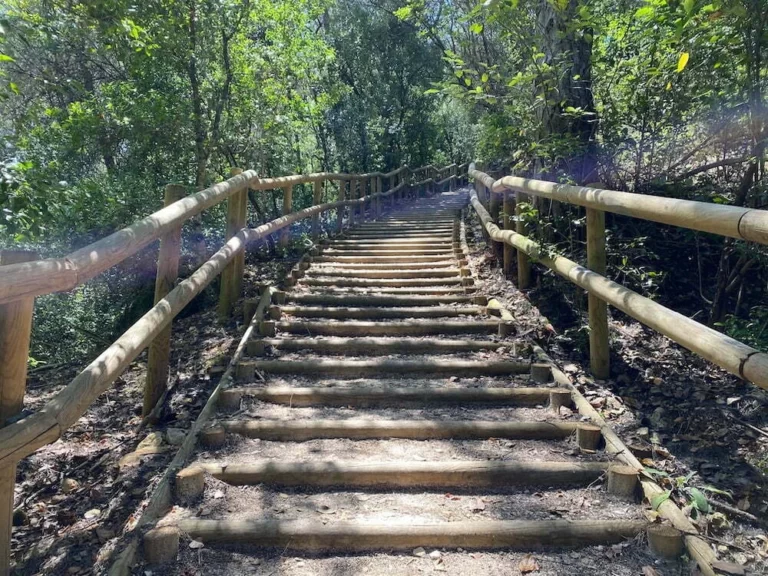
(23, 277)
(735, 222)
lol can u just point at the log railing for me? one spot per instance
(22, 278)
(745, 223)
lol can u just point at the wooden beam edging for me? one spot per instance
(733, 356)
(750, 224)
(697, 547)
(161, 499)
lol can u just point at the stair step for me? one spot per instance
(331, 264)
(358, 368)
(424, 272)
(387, 260)
(318, 536)
(375, 346)
(389, 397)
(371, 313)
(376, 282)
(380, 300)
(398, 475)
(387, 328)
(300, 430)
(428, 241)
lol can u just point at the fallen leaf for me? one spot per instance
(419, 552)
(218, 494)
(650, 571)
(477, 505)
(528, 564)
(729, 568)
(195, 544)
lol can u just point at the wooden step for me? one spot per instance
(405, 368)
(423, 254)
(374, 346)
(301, 430)
(317, 536)
(386, 260)
(375, 283)
(379, 300)
(330, 264)
(389, 397)
(409, 290)
(414, 328)
(371, 313)
(428, 241)
(399, 475)
(425, 272)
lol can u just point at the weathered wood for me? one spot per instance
(394, 475)
(56, 275)
(317, 198)
(24, 437)
(378, 274)
(523, 261)
(285, 236)
(697, 548)
(665, 541)
(623, 482)
(540, 372)
(167, 273)
(386, 396)
(731, 221)
(353, 536)
(599, 350)
(161, 499)
(341, 209)
(300, 430)
(558, 398)
(377, 300)
(508, 209)
(370, 313)
(190, 482)
(341, 368)
(15, 333)
(380, 346)
(405, 328)
(588, 437)
(731, 355)
(161, 545)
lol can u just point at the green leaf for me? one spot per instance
(6, 58)
(689, 5)
(654, 472)
(698, 500)
(484, 78)
(645, 12)
(476, 28)
(717, 491)
(682, 61)
(404, 13)
(660, 499)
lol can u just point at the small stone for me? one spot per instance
(643, 433)
(69, 485)
(435, 554)
(20, 518)
(419, 552)
(175, 436)
(196, 544)
(565, 412)
(92, 513)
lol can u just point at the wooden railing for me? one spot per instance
(21, 281)
(745, 223)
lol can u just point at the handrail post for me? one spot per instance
(159, 354)
(340, 211)
(599, 351)
(495, 205)
(507, 208)
(15, 334)
(523, 261)
(352, 196)
(452, 184)
(287, 209)
(229, 291)
(379, 199)
(317, 198)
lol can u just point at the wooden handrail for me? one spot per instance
(733, 221)
(21, 438)
(735, 357)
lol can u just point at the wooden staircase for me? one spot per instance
(385, 407)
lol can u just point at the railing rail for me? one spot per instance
(21, 281)
(737, 358)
